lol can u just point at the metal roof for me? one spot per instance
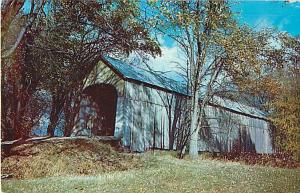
(130, 72)
(238, 107)
(145, 76)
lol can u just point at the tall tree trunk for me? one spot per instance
(193, 149)
(171, 130)
(20, 129)
(174, 125)
(56, 108)
(53, 121)
(20, 95)
(68, 115)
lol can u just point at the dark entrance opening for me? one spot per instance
(103, 98)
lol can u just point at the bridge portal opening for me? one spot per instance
(101, 107)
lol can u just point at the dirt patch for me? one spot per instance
(65, 157)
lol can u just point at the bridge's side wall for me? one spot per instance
(226, 131)
(149, 115)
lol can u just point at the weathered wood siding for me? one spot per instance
(102, 74)
(146, 117)
(227, 131)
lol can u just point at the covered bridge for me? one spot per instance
(145, 110)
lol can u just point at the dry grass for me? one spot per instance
(90, 166)
(63, 158)
(164, 173)
(281, 160)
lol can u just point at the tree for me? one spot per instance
(216, 49)
(76, 35)
(285, 116)
(15, 20)
(276, 90)
(17, 87)
(284, 107)
(54, 49)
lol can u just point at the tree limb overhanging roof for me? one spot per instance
(152, 79)
(143, 76)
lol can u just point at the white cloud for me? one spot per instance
(283, 23)
(262, 23)
(169, 60)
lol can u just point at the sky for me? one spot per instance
(284, 16)
(261, 14)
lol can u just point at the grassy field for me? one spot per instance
(162, 172)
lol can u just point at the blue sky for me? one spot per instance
(257, 14)
(266, 14)
(260, 14)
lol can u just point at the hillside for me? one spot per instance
(64, 157)
(165, 173)
(83, 165)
